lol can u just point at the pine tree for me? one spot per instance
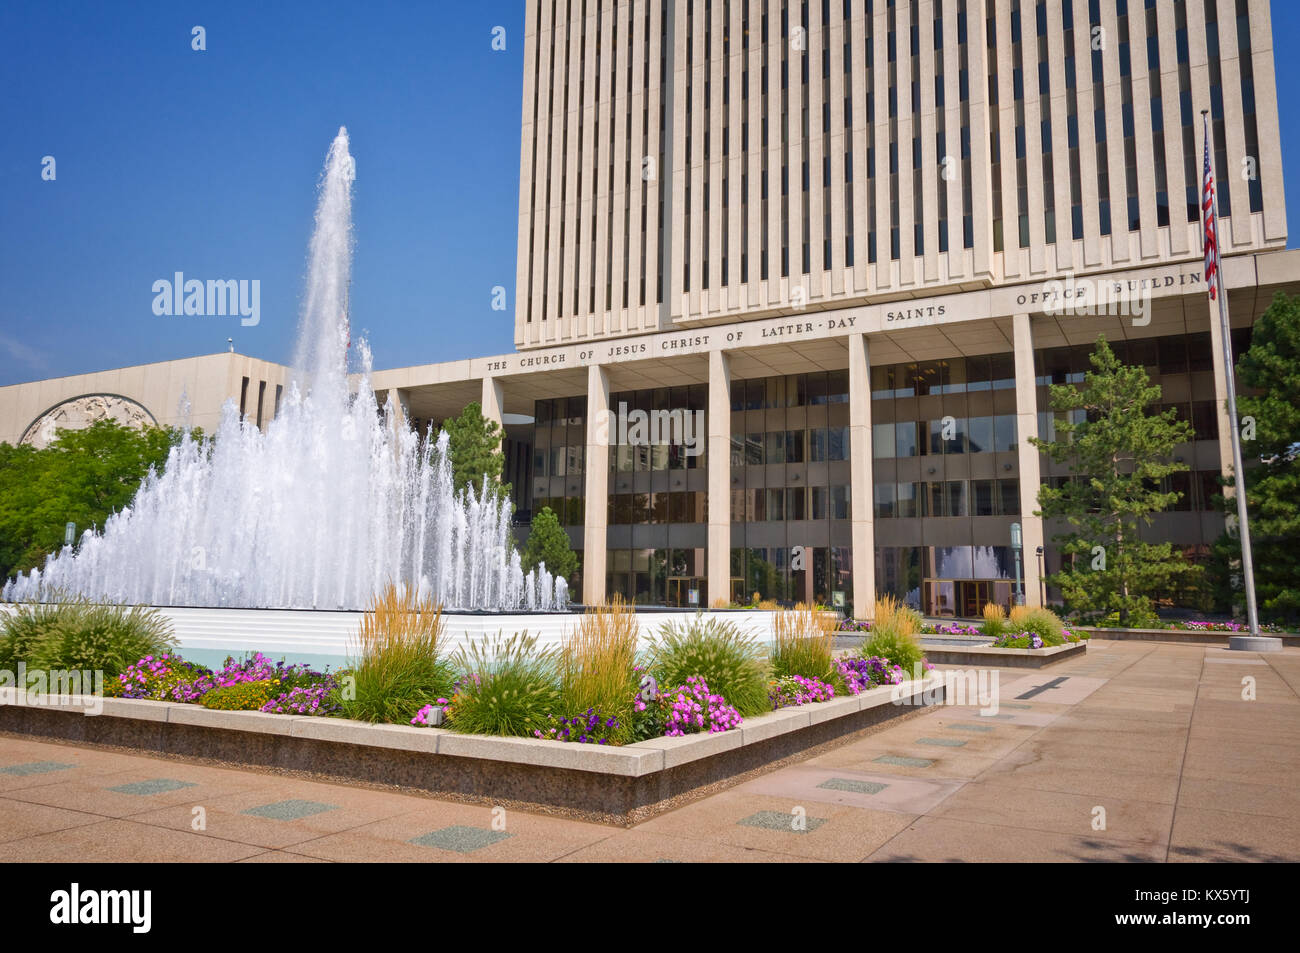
(1119, 454)
(475, 450)
(548, 543)
(1269, 417)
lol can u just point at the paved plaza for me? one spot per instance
(1136, 752)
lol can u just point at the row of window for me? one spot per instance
(664, 507)
(957, 375)
(791, 390)
(951, 435)
(947, 498)
(784, 504)
(818, 445)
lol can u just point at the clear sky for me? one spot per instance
(168, 159)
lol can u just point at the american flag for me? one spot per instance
(1211, 227)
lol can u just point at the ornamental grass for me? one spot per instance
(995, 620)
(83, 635)
(893, 634)
(596, 667)
(728, 660)
(400, 668)
(510, 688)
(803, 641)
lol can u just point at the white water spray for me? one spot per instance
(333, 501)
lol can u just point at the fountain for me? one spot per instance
(333, 501)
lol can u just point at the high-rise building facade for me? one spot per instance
(705, 161)
(794, 278)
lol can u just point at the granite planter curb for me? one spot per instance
(610, 785)
(1005, 658)
(1181, 635)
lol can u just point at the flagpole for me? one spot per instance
(1239, 472)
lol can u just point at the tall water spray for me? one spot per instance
(335, 499)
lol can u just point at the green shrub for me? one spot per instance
(22, 629)
(246, 696)
(107, 638)
(728, 660)
(400, 669)
(1042, 622)
(509, 688)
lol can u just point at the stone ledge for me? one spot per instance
(1005, 658)
(263, 722)
(348, 731)
(627, 761)
(1181, 635)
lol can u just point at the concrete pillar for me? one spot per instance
(861, 493)
(719, 556)
(1030, 470)
(596, 469)
(1221, 394)
(493, 399)
(401, 401)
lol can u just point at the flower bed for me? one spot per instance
(704, 676)
(1233, 627)
(1033, 640)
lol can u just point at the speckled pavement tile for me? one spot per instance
(19, 819)
(988, 802)
(534, 837)
(231, 817)
(848, 834)
(1207, 835)
(804, 782)
(943, 840)
(642, 846)
(124, 841)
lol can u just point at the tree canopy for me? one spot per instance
(474, 447)
(1269, 416)
(82, 477)
(548, 543)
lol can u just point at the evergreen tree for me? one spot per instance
(1269, 417)
(475, 450)
(1119, 453)
(548, 543)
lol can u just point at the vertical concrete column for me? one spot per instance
(493, 399)
(719, 556)
(596, 469)
(861, 493)
(1220, 361)
(401, 400)
(1030, 470)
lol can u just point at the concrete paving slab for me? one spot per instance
(944, 840)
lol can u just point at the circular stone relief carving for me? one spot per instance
(80, 412)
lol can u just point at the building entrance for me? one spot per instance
(680, 589)
(964, 598)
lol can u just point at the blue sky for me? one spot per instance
(168, 159)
